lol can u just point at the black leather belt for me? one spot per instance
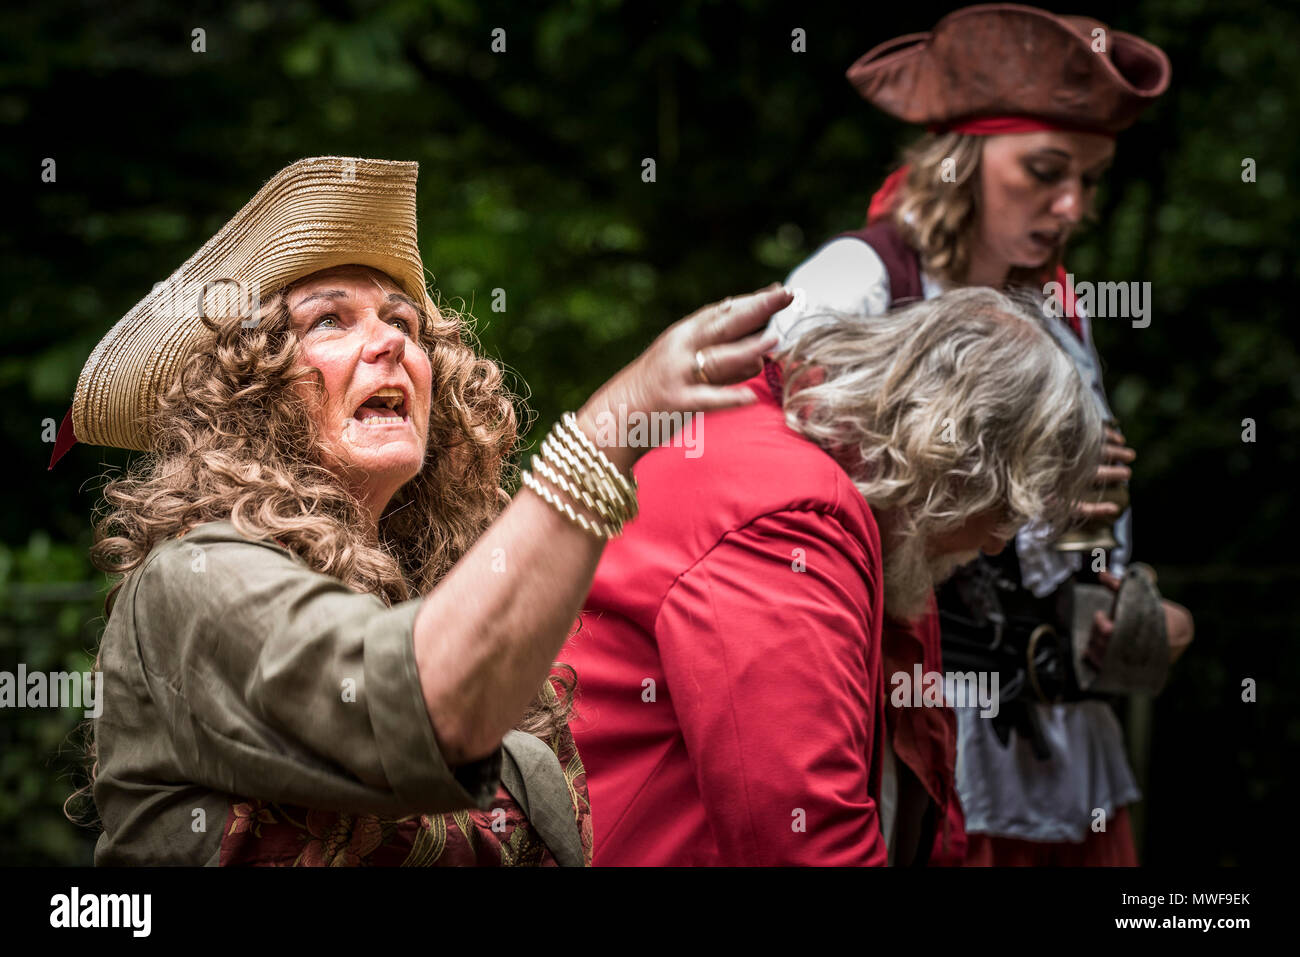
(1030, 655)
(989, 622)
(1032, 659)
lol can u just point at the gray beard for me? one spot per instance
(910, 577)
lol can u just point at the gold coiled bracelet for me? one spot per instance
(572, 473)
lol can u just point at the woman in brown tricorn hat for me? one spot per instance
(331, 640)
(1022, 109)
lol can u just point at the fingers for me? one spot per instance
(1109, 580)
(730, 319)
(715, 399)
(1117, 452)
(1114, 435)
(1094, 510)
(731, 362)
(1179, 628)
(1113, 474)
(1099, 640)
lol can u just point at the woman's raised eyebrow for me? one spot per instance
(331, 294)
(323, 294)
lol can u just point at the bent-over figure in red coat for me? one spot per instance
(731, 681)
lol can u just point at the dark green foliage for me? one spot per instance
(531, 182)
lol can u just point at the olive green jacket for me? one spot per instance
(234, 673)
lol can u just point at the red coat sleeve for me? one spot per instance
(772, 659)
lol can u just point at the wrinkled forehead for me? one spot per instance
(349, 281)
(360, 277)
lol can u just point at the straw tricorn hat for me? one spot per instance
(1003, 59)
(316, 213)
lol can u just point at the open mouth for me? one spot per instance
(1045, 241)
(386, 407)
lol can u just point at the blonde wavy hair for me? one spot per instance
(947, 409)
(939, 206)
(233, 439)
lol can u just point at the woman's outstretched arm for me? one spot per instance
(486, 637)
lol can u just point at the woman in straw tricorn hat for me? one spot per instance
(333, 639)
(1023, 108)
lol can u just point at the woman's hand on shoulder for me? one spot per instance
(694, 365)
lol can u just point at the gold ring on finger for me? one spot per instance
(700, 374)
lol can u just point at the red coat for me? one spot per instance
(731, 691)
(925, 739)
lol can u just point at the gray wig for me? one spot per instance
(948, 408)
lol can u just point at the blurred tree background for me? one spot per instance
(531, 182)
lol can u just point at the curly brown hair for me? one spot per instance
(233, 439)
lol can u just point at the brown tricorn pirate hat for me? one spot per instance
(1003, 59)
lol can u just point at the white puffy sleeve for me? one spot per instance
(845, 276)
